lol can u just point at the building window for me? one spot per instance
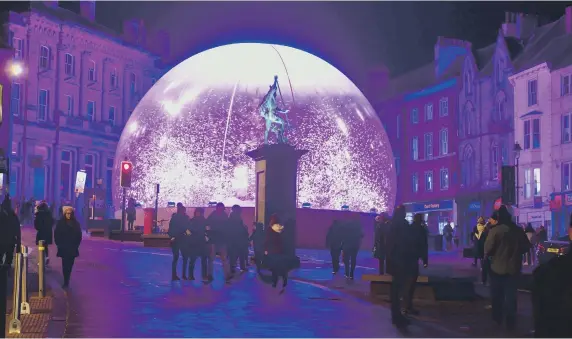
(500, 109)
(429, 181)
(565, 85)
(566, 170)
(66, 175)
(444, 107)
(91, 110)
(527, 183)
(468, 85)
(414, 116)
(89, 167)
(133, 83)
(397, 167)
(428, 145)
(44, 57)
(397, 127)
(444, 179)
(428, 112)
(444, 142)
(111, 116)
(532, 92)
(43, 104)
(536, 177)
(494, 162)
(113, 78)
(91, 75)
(566, 130)
(15, 99)
(526, 134)
(415, 183)
(69, 65)
(536, 133)
(18, 46)
(69, 101)
(500, 73)
(415, 148)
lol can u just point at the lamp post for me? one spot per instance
(516, 151)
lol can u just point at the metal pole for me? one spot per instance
(156, 208)
(24, 306)
(15, 325)
(123, 211)
(41, 268)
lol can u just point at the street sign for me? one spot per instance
(80, 178)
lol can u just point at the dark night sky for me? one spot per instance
(353, 36)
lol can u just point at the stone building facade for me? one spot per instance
(81, 84)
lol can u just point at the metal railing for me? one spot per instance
(20, 304)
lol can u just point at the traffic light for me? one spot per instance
(508, 185)
(126, 171)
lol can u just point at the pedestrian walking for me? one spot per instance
(131, 214)
(217, 234)
(276, 259)
(334, 243)
(237, 240)
(529, 257)
(177, 228)
(448, 235)
(68, 236)
(257, 237)
(418, 240)
(476, 236)
(402, 263)
(486, 261)
(44, 225)
(506, 244)
(381, 231)
(195, 244)
(351, 243)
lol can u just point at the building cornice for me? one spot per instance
(528, 72)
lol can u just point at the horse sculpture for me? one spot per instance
(270, 111)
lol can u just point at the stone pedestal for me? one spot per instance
(276, 186)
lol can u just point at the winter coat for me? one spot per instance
(131, 213)
(505, 244)
(44, 224)
(273, 242)
(10, 232)
(236, 233)
(177, 227)
(218, 233)
(334, 237)
(403, 252)
(257, 237)
(67, 236)
(352, 235)
(381, 234)
(194, 244)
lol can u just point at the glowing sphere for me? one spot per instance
(190, 132)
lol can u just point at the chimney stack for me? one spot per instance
(569, 19)
(87, 9)
(519, 25)
(134, 32)
(51, 3)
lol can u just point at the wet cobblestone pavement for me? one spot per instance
(124, 290)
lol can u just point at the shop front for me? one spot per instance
(469, 208)
(435, 213)
(560, 211)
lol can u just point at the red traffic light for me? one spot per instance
(126, 171)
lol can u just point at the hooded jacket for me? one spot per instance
(273, 243)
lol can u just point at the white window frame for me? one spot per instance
(44, 61)
(532, 92)
(444, 107)
(566, 132)
(428, 112)
(428, 143)
(70, 177)
(532, 145)
(536, 176)
(110, 120)
(566, 183)
(501, 108)
(429, 181)
(444, 184)
(69, 61)
(527, 183)
(91, 73)
(565, 85)
(15, 102)
(43, 108)
(69, 104)
(415, 148)
(18, 45)
(468, 83)
(90, 117)
(113, 78)
(414, 116)
(92, 166)
(415, 183)
(444, 141)
(527, 135)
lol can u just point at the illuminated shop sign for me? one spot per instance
(432, 206)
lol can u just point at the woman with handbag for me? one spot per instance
(275, 258)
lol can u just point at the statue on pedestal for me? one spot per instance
(276, 117)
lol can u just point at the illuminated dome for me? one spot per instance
(191, 130)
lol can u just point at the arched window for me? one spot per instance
(500, 109)
(91, 73)
(468, 82)
(44, 57)
(468, 169)
(467, 120)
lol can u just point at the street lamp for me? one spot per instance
(516, 151)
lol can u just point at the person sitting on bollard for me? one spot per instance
(44, 223)
(68, 237)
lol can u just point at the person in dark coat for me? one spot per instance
(506, 244)
(237, 240)
(177, 231)
(257, 237)
(10, 233)
(381, 230)
(196, 246)
(131, 214)
(67, 236)
(274, 252)
(475, 237)
(419, 239)
(542, 235)
(217, 233)
(44, 223)
(486, 262)
(334, 243)
(352, 237)
(552, 296)
(402, 263)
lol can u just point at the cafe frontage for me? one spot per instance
(435, 213)
(560, 210)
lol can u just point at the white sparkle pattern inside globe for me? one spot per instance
(191, 131)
